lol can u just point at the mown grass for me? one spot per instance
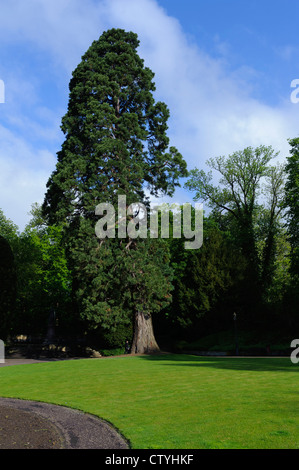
(174, 401)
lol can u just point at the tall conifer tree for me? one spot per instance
(115, 144)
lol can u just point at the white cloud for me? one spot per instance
(22, 180)
(61, 28)
(19, 189)
(212, 108)
(288, 52)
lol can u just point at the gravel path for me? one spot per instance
(35, 425)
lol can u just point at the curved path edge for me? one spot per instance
(78, 430)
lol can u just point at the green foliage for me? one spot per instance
(112, 352)
(114, 339)
(240, 176)
(250, 342)
(292, 210)
(115, 133)
(203, 278)
(9, 230)
(292, 203)
(248, 202)
(41, 277)
(115, 144)
(112, 281)
(44, 278)
(9, 233)
(7, 288)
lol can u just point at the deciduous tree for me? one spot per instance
(243, 175)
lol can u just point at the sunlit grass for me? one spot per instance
(174, 401)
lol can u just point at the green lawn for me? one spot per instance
(174, 401)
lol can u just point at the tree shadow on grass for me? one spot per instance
(267, 364)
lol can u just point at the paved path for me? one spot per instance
(15, 362)
(71, 429)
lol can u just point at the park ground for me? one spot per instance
(173, 401)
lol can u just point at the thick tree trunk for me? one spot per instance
(144, 341)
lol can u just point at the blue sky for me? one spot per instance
(224, 68)
(257, 34)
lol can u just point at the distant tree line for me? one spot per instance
(113, 289)
(206, 285)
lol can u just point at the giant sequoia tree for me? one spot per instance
(115, 144)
